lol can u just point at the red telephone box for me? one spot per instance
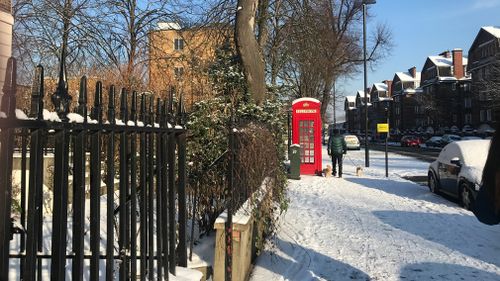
(306, 131)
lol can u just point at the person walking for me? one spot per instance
(336, 149)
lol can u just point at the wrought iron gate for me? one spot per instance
(96, 230)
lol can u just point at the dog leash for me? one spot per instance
(352, 161)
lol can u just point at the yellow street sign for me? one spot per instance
(382, 128)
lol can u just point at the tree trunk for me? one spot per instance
(249, 50)
(325, 98)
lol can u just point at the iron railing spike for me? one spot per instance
(37, 93)
(9, 88)
(82, 99)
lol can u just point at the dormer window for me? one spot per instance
(178, 44)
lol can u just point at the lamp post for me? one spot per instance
(367, 155)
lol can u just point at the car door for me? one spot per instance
(448, 172)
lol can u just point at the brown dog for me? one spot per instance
(327, 172)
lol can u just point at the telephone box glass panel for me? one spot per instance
(306, 137)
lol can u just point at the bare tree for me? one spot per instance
(323, 44)
(43, 27)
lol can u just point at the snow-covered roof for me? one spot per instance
(495, 31)
(380, 86)
(351, 98)
(361, 92)
(442, 61)
(168, 26)
(406, 76)
(447, 78)
(305, 99)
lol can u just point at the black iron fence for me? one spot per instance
(117, 190)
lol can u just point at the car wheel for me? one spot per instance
(466, 197)
(432, 183)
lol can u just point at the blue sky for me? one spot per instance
(421, 28)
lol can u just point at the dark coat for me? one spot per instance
(336, 145)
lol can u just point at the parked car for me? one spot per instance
(457, 170)
(470, 138)
(435, 141)
(410, 140)
(448, 138)
(352, 142)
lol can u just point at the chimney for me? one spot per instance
(389, 87)
(458, 66)
(446, 54)
(413, 72)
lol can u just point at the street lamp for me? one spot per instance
(367, 155)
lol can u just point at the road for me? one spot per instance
(422, 153)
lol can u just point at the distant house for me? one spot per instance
(484, 58)
(361, 104)
(404, 87)
(381, 100)
(351, 118)
(446, 99)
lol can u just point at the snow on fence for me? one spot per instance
(94, 231)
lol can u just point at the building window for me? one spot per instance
(416, 109)
(488, 115)
(453, 87)
(178, 44)
(178, 72)
(455, 118)
(468, 102)
(468, 118)
(466, 87)
(482, 115)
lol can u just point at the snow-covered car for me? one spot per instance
(458, 169)
(352, 142)
(435, 141)
(448, 138)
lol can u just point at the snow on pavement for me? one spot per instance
(377, 228)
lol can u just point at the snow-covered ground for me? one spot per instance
(377, 228)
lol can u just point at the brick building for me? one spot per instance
(351, 114)
(445, 101)
(405, 86)
(181, 57)
(484, 63)
(380, 96)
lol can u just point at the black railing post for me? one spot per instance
(122, 238)
(133, 190)
(181, 160)
(110, 188)
(151, 173)
(6, 153)
(143, 199)
(35, 180)
(228, 264)
(171, 190)
(95, 184)
(164, 193)
(61, 101)
(79, 158)
(159, 194)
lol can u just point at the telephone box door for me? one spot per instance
(306, 131)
